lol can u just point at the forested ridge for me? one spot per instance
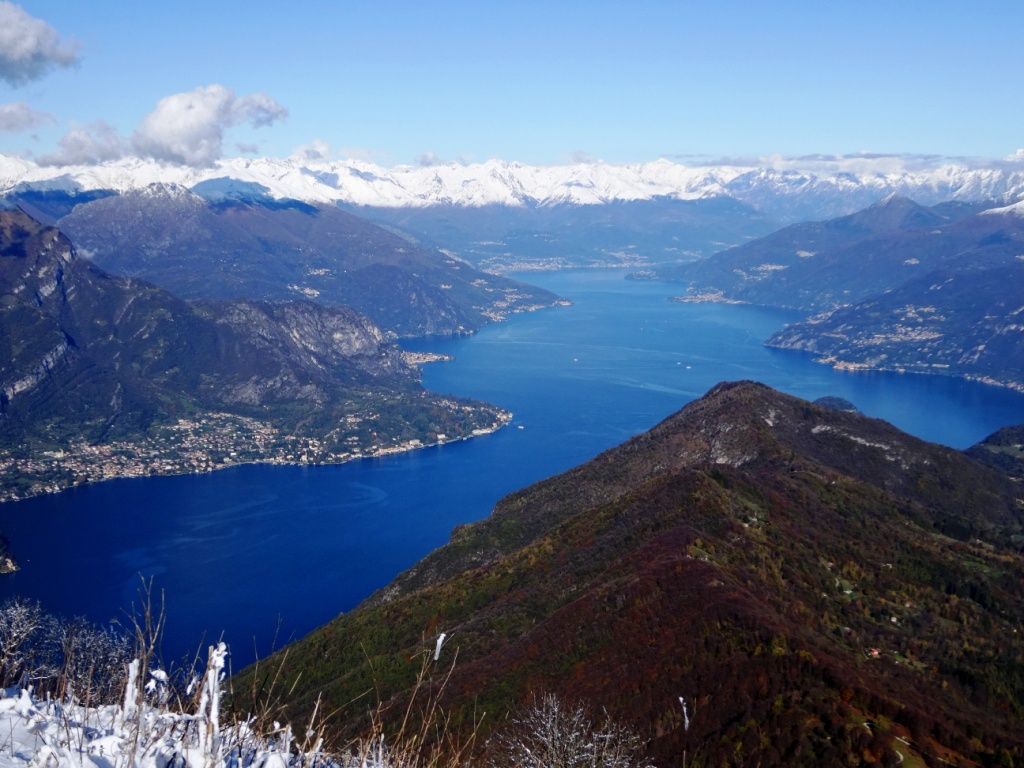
(820, 588)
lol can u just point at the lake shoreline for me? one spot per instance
(132, 471)
(275, 550)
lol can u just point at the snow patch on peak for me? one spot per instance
(1017, 209)
(891, 198)
(226, 188)
(497, 182)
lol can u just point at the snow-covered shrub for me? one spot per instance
(138, 733)
(25, 632)
(92, 661)
(61, 657)
(552, 734)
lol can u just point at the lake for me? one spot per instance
(263, 554)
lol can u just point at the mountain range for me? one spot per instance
(960, 315)
(88, 359)
(783, 194)
(757, 580)
(279, 250)
(507, 216)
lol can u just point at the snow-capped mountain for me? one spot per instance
(787, 194)
(1017, 209)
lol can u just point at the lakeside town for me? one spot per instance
(205, 443)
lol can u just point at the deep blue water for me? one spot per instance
(258, 552)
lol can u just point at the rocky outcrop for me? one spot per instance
(39, 373)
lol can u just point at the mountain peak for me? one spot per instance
(165, 190)
(225, 188)
(23, 236)
(895, 200)
(14, 225)
(656, 570)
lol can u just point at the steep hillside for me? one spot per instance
(820, 588)
(895, 287)
(945, 301)
(101, 376)
(254, 247)
(967, 322)
(1003, 450)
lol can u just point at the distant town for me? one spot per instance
(200, 444)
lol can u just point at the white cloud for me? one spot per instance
(1015, 157)
(858, 163)
(364, 153)
(579, 157)
(188, 128)
(87, 144)
(429, 158)
(29, 47)
(317, 149)
(19, 116)
(883, 162)
(854, 162)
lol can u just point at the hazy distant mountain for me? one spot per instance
(89, 358)
(819, 265)
(896, 287)
(813, 583)
(963, 318)
(257, 247)
(502, 238)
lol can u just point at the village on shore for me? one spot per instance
(199, 444)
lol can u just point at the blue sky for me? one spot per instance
(401, 82)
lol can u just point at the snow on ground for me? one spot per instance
(142, 732)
